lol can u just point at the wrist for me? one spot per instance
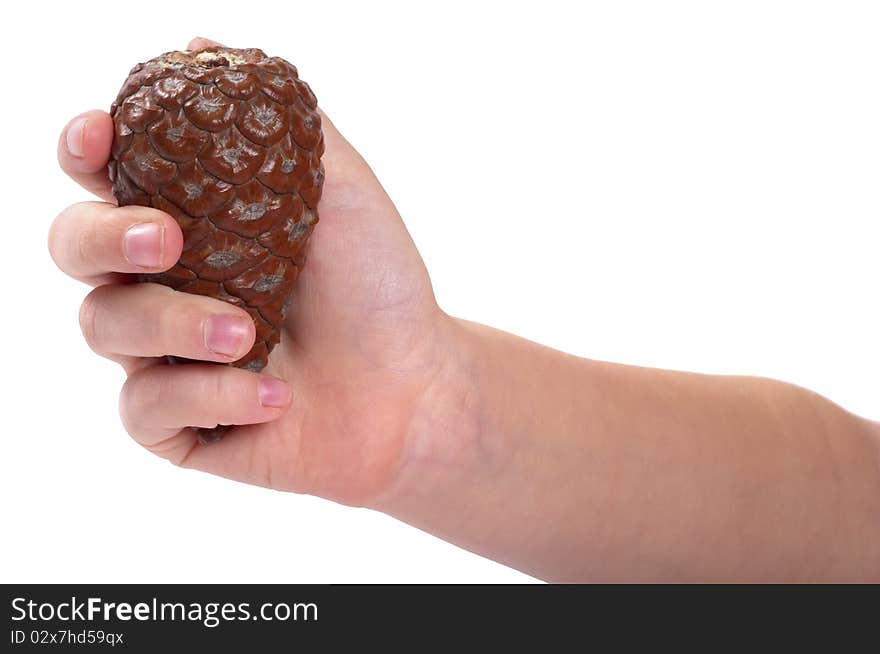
(445, 448)
(489, 463)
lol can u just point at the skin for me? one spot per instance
(566, 468)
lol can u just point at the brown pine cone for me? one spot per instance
(228, 142)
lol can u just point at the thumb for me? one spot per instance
(201, 42)
(358, 186)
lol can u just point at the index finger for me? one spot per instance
(83, 151)
(84, 146)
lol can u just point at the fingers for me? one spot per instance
(149, 320)
(83, 151)
(157, 402)
(91, 239)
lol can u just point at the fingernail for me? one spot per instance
(225, 334)
(273, 392)
(76, 133)
(143, 244)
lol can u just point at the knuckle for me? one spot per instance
(53, 240)
(59, 239)
(76, 240)
(225, 393)
(176, 320)
(125, 408)
(142, 395)
(83, 252)
(158, 328)
(89, 318)
(221, 388)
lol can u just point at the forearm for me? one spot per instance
(571, 469)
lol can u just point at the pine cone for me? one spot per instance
(229, 143)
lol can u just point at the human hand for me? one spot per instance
(567, 468)
(361, 345)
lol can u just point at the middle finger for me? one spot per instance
(150, 320)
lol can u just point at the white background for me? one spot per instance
(689, 185)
